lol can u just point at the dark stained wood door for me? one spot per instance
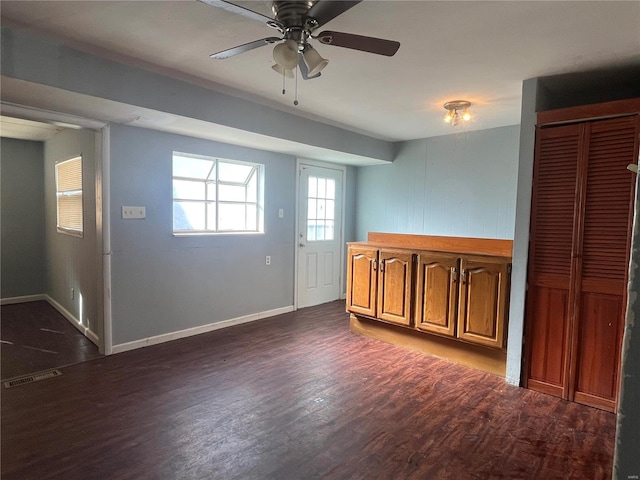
(580, 238)
(603, 258)
(550, 262)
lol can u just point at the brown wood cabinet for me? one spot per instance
(463, 297)
(578, 260)
(459, 296)
(379, 283)
(482, 300)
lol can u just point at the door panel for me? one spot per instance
(362, 277)
(555, 184)
(547, 327)
(394, 287)
(482, 302)
(436, 293)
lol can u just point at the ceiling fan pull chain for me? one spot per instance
(295, 101)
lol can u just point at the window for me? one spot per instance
(321, 200)
(212, 195)
(69, 196)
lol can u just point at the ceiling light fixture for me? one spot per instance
(454, 108)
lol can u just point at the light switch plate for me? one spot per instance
(134, 212)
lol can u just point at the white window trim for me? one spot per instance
(259, 203)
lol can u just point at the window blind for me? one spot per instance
(69, 195)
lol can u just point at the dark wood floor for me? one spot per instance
(293, 397)
(35, 337)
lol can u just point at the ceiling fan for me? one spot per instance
(297, 20)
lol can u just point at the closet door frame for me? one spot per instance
(584, 115)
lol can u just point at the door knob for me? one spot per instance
(301, 245)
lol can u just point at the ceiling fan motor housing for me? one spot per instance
(291, 13)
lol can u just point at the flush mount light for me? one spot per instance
(457, 110)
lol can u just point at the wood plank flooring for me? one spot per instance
(296, 396)
(35, 337)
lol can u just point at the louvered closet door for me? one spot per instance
(604, 259)
(550, 261)
(579, 252)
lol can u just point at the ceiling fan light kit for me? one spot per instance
(315, 63)
(296, 21)
(454, 107)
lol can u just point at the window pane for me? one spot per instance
(188, 215)
(231, 193)
(331, 207)
(322, 188)
(188, 190)
(313, 187)
(233, 172)
(211, 216)
(312, 209)
(331, 189)
(191, 167)
(211, 191)
(231, 217)
(252, 187)
(311, 230)
(321, 210)
(328, 230)
(252, 218)
(320, 230)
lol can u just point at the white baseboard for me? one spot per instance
(22, 299)
(343, 296)
(86, 331)
(167, 337)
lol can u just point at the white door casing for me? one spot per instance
(319, 234)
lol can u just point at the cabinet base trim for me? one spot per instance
(481, 358)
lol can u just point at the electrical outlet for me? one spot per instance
(267, 260)
(134, 212)
(281, 213)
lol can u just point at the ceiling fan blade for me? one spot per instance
(230, 52)
(379, 46)
(305, 71)
(326, 10)
(231, 7)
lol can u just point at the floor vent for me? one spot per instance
(32, 378)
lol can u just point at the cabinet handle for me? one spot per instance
(382, 265)
(375, 265)
(454, 274)
(463, 276)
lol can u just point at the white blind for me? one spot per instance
(69, 194)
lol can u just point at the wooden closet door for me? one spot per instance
(603, 253)
(554, 208)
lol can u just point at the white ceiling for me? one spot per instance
(474, 50)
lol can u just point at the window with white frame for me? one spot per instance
(69, 196)
(214, 195)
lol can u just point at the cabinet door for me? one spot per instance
(394, 287)
(483, 301)
(436, 293)
(361, 280)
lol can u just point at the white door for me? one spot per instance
(319, 235)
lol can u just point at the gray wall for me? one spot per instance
(162, 283)
(461, 185)
(73, 262)
(22, 242)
